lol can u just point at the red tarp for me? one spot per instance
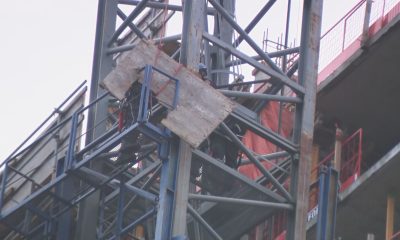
(269, 119)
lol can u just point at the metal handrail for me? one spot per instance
(351, 33)
(353, 161)
(346, 16)
(56, 110)
(356, 135)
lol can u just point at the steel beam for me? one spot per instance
(193, 26)
(138, 9)
(254, 21)
(264, 132)
(131, 25)
(327, 201)
(270, 97)
(173, 206)
(203, 222)
(263, 68)
(146, 185)
(169, 157)
(134, 180)
(304, 118)
(224, 31)
(257, 163)
(253, 203)
(102, 66)
(271, 195)
(267, 157)
(159, 5)
(278, 53)
(114, 183)
(225, 14)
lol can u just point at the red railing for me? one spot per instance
(396, 236)
(345, 31)
(344, 38)
(351, 157)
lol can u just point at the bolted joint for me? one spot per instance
(296, 158)
(323, 169)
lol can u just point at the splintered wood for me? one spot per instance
(200, 107)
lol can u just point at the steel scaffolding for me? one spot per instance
(169, 189)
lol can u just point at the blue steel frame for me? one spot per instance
(15, 153)
(108, 48)
(326, 220)
(74, 161)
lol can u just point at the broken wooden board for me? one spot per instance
(200, 107)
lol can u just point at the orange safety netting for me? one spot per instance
(269, 118)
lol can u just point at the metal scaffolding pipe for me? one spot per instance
(255, 20)
(259, 166)
(246, 37)
(127, 21)
(115, 184)
(132, 26)
(159, 5)
(278, 53)
(128, 47)
(270, 97)
(264, 68)
(255, 203)
(203, 222)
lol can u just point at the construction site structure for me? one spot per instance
(175, 143)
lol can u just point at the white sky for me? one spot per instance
(46, 51)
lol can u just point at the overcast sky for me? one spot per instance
(46, 49)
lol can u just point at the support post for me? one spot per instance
(367, 17)
(389, 217)
(327, 201)
(225, 32)
(192, 32)
(165, 211)
(338, 149)
(102, 65)
(120, 210)
(304, 118)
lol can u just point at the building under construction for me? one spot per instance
(176, 143)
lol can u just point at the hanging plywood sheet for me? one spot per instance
(200, 108)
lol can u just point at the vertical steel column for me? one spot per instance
(193, 26)
(164, 220)
(102, 65)
(63, 189)
(327, 201)
(304, 118)
(120, 214)
(224, 30)
(192, 33)
(367, 17)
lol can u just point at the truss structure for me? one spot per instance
(170, 189)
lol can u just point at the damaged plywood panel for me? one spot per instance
(200, 108)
